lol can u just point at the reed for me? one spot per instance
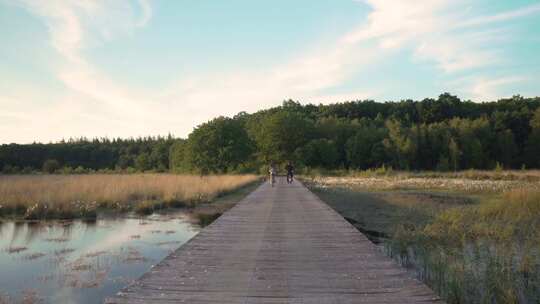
(484, 253)
(469, 183)
(480, 246)
(68, 196)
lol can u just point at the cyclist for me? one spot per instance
(273, 172)
(290, 172)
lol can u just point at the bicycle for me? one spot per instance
(290, 178)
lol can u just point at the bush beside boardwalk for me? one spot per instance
(471, 245)
(81, 196)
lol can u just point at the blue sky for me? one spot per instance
(71, 68)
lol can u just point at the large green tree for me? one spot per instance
(278, 135)
(401, 144)
(319, 153)
(365, 149)
(218, 146)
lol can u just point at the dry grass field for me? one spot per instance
(68, 196)
(472, 181)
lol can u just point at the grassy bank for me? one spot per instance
(83, 196)
(205, 214)
(471, 244)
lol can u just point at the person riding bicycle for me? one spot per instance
(290, 172)
(273, 172)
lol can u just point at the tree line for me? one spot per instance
(82, 155)
(442, 134)
(433, 134)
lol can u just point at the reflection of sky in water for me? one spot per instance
(84, 262)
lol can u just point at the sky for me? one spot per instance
(122, 68)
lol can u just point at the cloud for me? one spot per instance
(435, 32)
(91, 103)
(146, 9)
(487, 89)
(97, 99)
(505, 16)
(305, 78)
(424, 26)
(72, 26)
(454, 53)
(393, 23)
(341, 97)
(442, 32)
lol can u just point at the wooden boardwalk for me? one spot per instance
(278, 245)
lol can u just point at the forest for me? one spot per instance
(82, 155)
(443, 134)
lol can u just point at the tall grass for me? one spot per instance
(481, 247)
(485, 253)
(61, 196)
(426, 181)
(471, 174)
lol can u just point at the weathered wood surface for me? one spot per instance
(278, 245)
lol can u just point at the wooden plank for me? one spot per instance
(279, 245)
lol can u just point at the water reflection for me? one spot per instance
(83, 262)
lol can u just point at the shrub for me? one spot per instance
(176, 203)
(66, 170)
(50, 166)
(79, 170)
(27, 170)
(147, 207)
(204, 219)
(383, 170)
(9, 169)
(443, 164)
(36, 211)
(6, 169)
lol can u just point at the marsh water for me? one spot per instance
(83, 262)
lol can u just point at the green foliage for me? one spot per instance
(320, 153)
(143, 162)
(339, 130)
(365, 149)
(96, 154)
(454, 153)
(278, 135)
(401, 144)
(178, 160)
(443, 164)
(51, 166)
(218, 146)
(433, 134)
(532, 148)
(147, 207)
(9, 169)
(505, 148)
